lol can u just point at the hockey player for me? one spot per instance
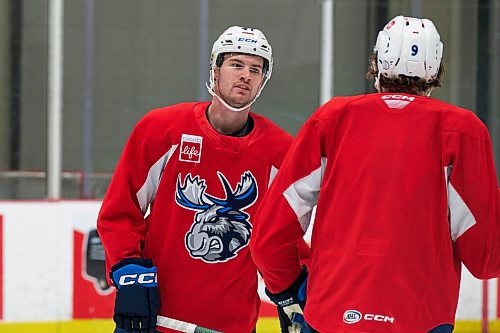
(177, 217)
(406, 191)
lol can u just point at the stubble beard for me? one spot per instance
(236, 102)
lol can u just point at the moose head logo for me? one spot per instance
(221, 227)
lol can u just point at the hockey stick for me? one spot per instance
(182, 326)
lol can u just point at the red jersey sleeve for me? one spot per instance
(285, 211)
(473, 201)
(121, 223)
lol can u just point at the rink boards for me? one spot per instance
(52, 277)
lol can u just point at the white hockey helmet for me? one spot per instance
(409, 46)
(240, 40)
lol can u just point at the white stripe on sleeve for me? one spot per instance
(272, 174)
(302, 195)
(461, 218)
(147, 193)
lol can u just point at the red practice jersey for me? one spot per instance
(200, 191)
(406, 190)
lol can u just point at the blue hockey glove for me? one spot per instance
(290, 304)
(137, 297)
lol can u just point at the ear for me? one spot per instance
(216, 73)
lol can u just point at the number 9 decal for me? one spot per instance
(414, 50)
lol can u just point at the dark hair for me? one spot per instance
(220, 60)
(402, 83)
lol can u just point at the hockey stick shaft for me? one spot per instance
(182, 326)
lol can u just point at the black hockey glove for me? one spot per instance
(290, 304)
(137, 297)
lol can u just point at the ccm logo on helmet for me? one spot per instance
(247, 40)
(354, 316)
(144, 278)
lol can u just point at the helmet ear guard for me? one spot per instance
(409, 46)
(240, 40)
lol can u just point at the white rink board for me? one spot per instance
(38, 258)
(38, 262)
(470, 298)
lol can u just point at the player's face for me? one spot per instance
(239, 78)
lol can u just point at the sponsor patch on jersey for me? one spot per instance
(395, 101)
(354, 316)
(190, 148)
